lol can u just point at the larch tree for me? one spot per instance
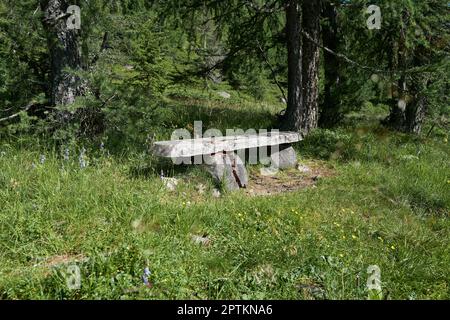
(329, 111)
(303, 36)
(310, 65)
(293, 118)
(64, 47)
(408, 55)
(245, 22)
(420, 52)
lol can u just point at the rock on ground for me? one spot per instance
(285, 158)
(224, 94)
(228, 169)
(170, 183)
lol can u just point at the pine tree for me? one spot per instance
(408, 54)
(421, 51)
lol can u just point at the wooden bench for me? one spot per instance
(223, 156)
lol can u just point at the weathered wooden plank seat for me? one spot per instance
(223, 155)
(204, 146)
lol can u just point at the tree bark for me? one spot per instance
(303, 66)
(65, 52)
(397, 116)
(416, 110)
(310, 65)
(415, 116)
(410, 118)
(329, 114)
(292, 119)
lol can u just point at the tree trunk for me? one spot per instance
(415, 116)
(408, 116)
(292, 119)
(397, 115)
(310, 65)
(329, 114)
(416, 110)
(65, 52)
(303, 66)
(408, 105)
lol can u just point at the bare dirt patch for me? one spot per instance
(307, 175)
(55, 261)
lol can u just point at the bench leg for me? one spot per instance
(229, 169)
(284, 158)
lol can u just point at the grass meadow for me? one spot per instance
(386, 203)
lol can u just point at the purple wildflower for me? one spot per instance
(145, 276)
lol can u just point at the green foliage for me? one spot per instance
(412, 43)
(23, 57)
(206, 42)
(136, 87)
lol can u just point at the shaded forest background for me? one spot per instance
(107, 79)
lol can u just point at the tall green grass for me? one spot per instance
(387, 205)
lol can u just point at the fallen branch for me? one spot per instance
(18, 113)
(104, 103)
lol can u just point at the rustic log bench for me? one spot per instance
(223, 156)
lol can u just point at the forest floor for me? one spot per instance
(373, 197)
